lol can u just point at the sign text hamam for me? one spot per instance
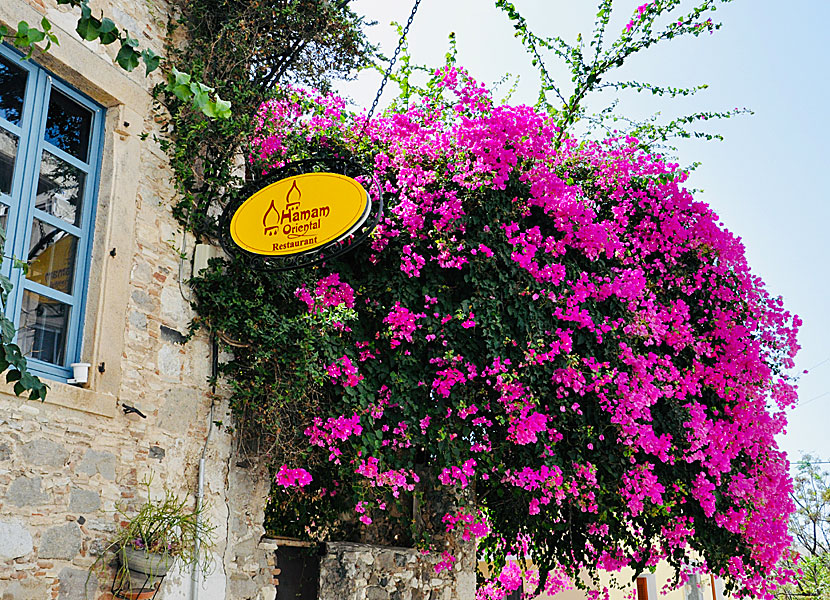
(298, 214)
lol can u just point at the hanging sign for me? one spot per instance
(300, 213)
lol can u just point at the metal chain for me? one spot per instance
(389, 68)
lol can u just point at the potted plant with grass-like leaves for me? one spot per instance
(149, 542)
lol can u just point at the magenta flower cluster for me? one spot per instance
(630, 401)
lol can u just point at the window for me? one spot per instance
(50, 152)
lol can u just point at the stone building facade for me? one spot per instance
(68, 463)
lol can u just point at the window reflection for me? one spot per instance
(12, 90)
(60, 188)
(51, 256)
(4, 218)
(8, 152)
(68, 125)
(43, 326)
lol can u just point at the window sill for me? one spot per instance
(72, 397)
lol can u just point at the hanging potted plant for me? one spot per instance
(163, 531)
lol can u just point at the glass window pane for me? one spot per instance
(68, 125)
(12, 89)
(52, 256)
(8, 151)
(4, 219)
(43, 326)
(60, 189)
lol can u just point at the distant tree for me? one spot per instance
(810, 528)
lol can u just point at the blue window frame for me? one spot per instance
(50, 160)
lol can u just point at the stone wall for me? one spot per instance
(67, 464)
(365, 572)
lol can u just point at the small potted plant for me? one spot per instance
(163, 531)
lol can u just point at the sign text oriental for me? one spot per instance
(298, 214)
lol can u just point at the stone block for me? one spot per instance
(25, 589)
(62, 542)
(138, 320)
(15, 540)
(25, 491)
(98, 462)
(268, 593)
(242, 586)
(84, 501)
(76, 584)
(376, 593)
(245, 550)
(179, 410)
(45, 452)
(170, 361)
(5, 452)
(173, 306)
(141, 298)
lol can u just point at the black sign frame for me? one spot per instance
(314, 256)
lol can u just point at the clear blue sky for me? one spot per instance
(766, 180)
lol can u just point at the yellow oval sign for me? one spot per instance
(299, 213)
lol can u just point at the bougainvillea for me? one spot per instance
(562, 336)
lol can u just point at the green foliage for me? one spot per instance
(306, 42)
(592, 65)
(26, 37)
(184, 88)
(12, 361)
(246, 47)
(164, 526)
(129, 57)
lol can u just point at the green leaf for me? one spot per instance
(223, 108)
(107, 32)
(181, 78)
(151, 61)
(127, 57)
(13, 354)
(20, 264)
(5, 287)
(107, 25)
(178, 82)
(6, 330)
(28, 380)
(200, 95)
(13, 375)
(88, 28)
(34, 36)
